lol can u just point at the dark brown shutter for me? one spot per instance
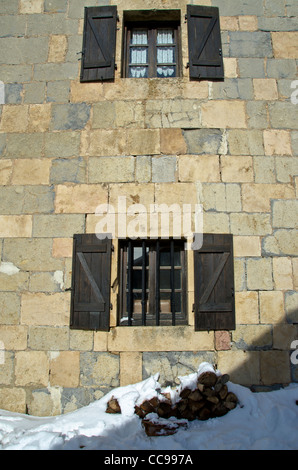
(99, 44)
(214, 283)
(91, 280)
(204, 43)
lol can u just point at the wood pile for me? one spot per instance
(209, 399)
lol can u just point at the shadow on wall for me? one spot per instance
(259, 356)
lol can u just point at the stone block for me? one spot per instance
(221, 197)
(24, 145)
(111, 170)
(14, 337)
(143, 142)
(31, 50)
(242, 366)
(31, 171)
(250, 224)
(65, 369)
(265, 89)
(105, 143)
(277, 142)
(58, 91)
(253, 337)
(264, 170)
(13, 399)
(46, 282)
(224, 114)
(15, 226)
(250, 44)
(282, 115)
(32, 368)
(47, 338)
(257, 114)
(62, 247)
(251, 67)
(282, 242)
(175, 193)
(31, 6)
(40, 309)
(172, 142)
(134, 193)
(230, 67)
(86, 92)
(39, 117)
(13, 93)
(38, 199)
(10, 308)
(248, 23)
(31, 254)
(143, 169)
(16, 283)
(203, 141)
(229, 23)
(34, 92)
(257, 197)
(216, 222)
(5, 171)
(282, 273)
(245, 142)
(130, 368)
(11, 201)
(272, 308)
(14, 118)
(79, 199)
(174, 113)
(55, 6)
(57, 48)
(285, 44)
(236, 169)
(284, 214)
(275, 367)
(59, 225)
(247, 246)
(100, 369)
(62, 144)
(70, 116)
(281, 68)
(247, 307)
(203, 168)
(68, 170)
(291, 306)
(222, 340)
(259, 274)
(81, 340)
(163, 169)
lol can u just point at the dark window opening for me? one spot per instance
(153, 283)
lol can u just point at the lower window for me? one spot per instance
(152, 282)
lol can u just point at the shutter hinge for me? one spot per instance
(187, 65)
(112, 248)
(220, 52)
(193, 308)
(68, 289)
(111, 306)
(185, 18)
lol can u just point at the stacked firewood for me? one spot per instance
(209, 399)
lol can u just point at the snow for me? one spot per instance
(261, 421)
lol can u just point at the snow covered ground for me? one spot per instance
(261, 421)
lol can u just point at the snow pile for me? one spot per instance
(260, 421)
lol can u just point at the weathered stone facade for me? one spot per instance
(66, 147)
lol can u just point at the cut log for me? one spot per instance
(195, 395)
(113, 406)
(208, 378)
(155, 427)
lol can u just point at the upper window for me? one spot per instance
(151, 45)
(151, 49)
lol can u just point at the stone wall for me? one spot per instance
(66, 147)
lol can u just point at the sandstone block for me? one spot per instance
(100, 368)
(62, 247)
(78, 199)
(59, 225)
(291, 306)
(265, 89)
(236, 168)
(32, 368)
(245, 142)
(130, 368)
(163, 169)
(203, 168)
(57, 48)
(14, 337)
(31, 6)
(250, 224)
(264, 169)
(62, 144)
(222, 340)
(247, 307)
(283, 335)
(15, 226)
(253, 337)
(143, 141)
(248, 23)
(31, 171)
(71, 116)
(48, 338)
(282, 115)
(65, 369)
(105, 143)
(247, 246)
(111, 169)
(257, 197)
(275, 367)
(31, 254)
(282, 242)
(259, 274)
(242, 366)
(172, 142)
(43, 309)
(203, 141)
(285, 214)
(143, 169)
(14, 118)
(216, 222)
(224, 114)
(5, 171)
(80, 340)
(86, 92)
(282, 273)
(285, 44)
(39, 117)
(13, 399)
(272, 307)
(277, 142)
(10, 308)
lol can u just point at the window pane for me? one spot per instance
(138, 72)
(165, 55)
(138, 256)
(165, 279)
(165, 257)
(139, 37)
(165, 36)
(166, 71)
(138, 55)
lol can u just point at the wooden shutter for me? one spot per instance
(91, 280)
(99, 44)
(214, 284)
(204, 43)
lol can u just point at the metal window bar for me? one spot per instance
(129, 282)
(144, 283)
(157, 284)
(172, 254)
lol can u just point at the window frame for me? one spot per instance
(152, 26)
(146, 317)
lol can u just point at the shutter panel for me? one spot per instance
(214, 284)
(204, 43)
(99, 44)
(91, 280)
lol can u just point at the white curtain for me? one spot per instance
(165, 54)
(138, 54)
